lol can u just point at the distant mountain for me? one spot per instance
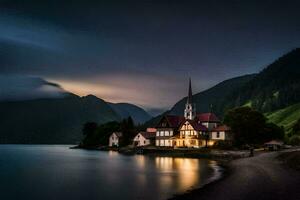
(33, 110)
(125, 110)
(51, 120)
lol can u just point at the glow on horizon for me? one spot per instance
(127, 90)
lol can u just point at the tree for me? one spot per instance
(89, 128)
(272, 131)
(246, 124)
(128, 130)
(249, 126)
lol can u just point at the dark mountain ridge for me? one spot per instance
(277, 86)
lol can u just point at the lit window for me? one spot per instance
(161, 133)
(171, 133)
(166, 133)
(157, 133)
(157, 142)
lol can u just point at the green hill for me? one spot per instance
(285, 117)
(275, 87)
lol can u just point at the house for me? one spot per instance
(273, 145)
(166, 129)
(191, 129)
(114, 139)
(144, 139)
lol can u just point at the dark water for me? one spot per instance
(56, 172)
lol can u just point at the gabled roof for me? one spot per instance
(148, 135)
(222, 128)
(119, 134)
(207, 117)
(174, 121)
(197, 126)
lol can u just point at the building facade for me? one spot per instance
(144, 139)
(115, 139)
(191, 130)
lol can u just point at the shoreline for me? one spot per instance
(213, 190)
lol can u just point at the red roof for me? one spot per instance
(222, 128)
(207, 117)
(148, 135)
(174, 121)
(197, 126)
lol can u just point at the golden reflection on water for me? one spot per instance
(185, 170)
(113, 153)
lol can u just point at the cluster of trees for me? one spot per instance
(250, 127)
(95, 135)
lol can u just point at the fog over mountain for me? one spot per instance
(18, 87)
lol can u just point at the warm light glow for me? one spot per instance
(187, 169)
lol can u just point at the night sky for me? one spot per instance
(143, 52)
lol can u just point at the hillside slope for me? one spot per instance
(125, 110)
(285, 117)
(214, 96)
(275, 87)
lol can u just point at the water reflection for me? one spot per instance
(95, 175)
(184, 171)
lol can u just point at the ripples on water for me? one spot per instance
(57, 172)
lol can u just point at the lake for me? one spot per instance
(57, 172)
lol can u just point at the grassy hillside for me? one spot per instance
(285, 117)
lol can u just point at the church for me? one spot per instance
(191, 130)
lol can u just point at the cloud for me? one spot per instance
(18, 87)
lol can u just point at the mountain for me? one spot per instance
(125, 110)
(271, 91)
(213, 96)
(33, 110)
(51, 120)
(275, 87)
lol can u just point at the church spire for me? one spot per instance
(190, 95)
(190, 110)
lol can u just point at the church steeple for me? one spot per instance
(189, 111)
(190, 94)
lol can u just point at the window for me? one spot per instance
(167, 143)
(157, 142)
(218, 135)
(161, 143)
(144, 141)
(171, 133)
(157, 133)
(166, 133)
(161, 133)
